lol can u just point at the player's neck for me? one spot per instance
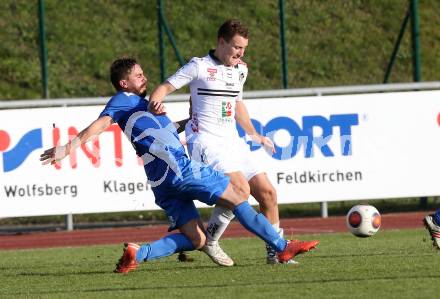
(217, 56)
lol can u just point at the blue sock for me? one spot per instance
(164, 247)
(259, 225)
(436, 217)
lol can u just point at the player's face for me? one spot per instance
(233, 50)
(136, 82)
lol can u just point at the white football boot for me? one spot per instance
(217, 255)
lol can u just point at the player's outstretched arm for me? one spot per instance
(55, 154)
(243, 119)
(155, 105)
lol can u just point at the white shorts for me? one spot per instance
(224, 155)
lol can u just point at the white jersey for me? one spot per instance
(215, 88)
(211, 133)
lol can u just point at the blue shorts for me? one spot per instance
(196, 181)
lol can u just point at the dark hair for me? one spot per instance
(230, 28)
(120, 69)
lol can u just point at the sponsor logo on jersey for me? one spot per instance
(229, 73)
(212, 72)
(226, 109)
(241, 76)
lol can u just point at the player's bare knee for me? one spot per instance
(241, 187)
(198, 241)
(244, 191)
(241, 190)
(267, 198)
(270, 195)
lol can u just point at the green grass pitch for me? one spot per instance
(392, 264)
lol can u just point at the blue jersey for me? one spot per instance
(154, 137)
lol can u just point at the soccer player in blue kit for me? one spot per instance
(175, 179)
(432, 224)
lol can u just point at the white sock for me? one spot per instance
(276, 226)
(220, 218)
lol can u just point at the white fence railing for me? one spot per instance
(276, 93)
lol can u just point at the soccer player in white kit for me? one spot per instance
(216, 83)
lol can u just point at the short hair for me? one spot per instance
(230, 28)
(120, 69)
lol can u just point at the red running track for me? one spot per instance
(148, 233)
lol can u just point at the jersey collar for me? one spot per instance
(213, 57)
(216, 60)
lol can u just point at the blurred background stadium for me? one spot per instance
(328, 43)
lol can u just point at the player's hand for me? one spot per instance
(156, 107)
(53, 155)
(267, 144)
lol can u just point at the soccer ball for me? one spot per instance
(363, 220)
